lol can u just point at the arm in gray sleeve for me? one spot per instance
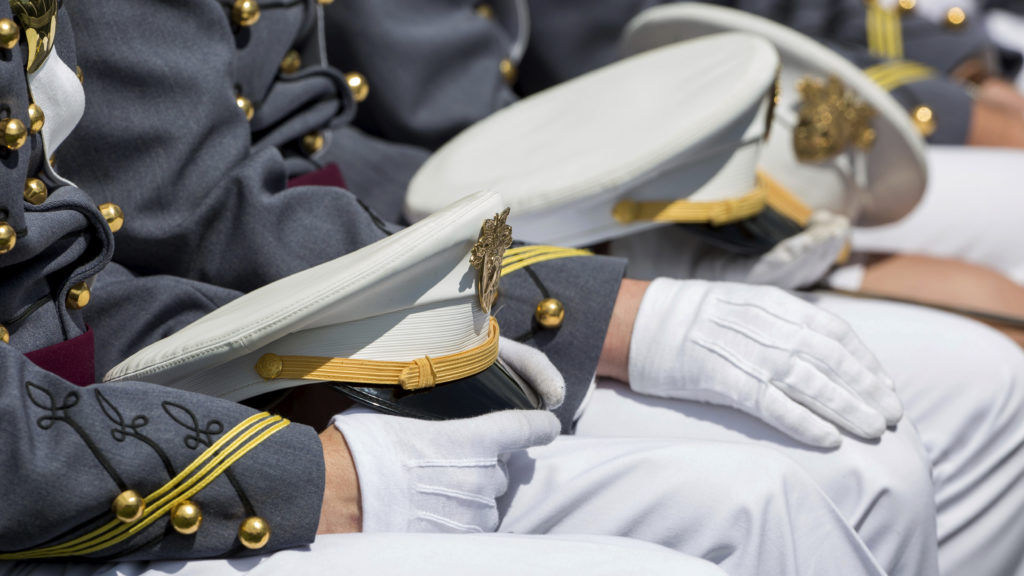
(163, 138)
(67, 454)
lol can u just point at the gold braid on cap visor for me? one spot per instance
(420, 373)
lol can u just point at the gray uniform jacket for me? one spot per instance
(435, 67)
(205, 190)
(68, 451)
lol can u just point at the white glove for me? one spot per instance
(796, 262)
(763, 351)
(425, 476)
(536, 369)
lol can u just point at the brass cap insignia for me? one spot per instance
(495, 237)
(38, 18)
(831, 119)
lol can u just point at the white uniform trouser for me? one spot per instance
(746, 508)
(421, 555)
(957, 451)
(973, 211)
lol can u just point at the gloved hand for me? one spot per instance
(760, 350)
(425, 476)
(796, 262)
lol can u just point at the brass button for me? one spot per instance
(53, 160)
(15, 133)
(186, 517)
(245, 12)
(8, 238)
(246, 106)
(113, 214)
(358, 85)
(508, 71)
(78, 296)
(907, 5)
(625, 211)
(269, 366)
(9, 34)
(128, 507)
(254, 533)
(924, 120)
(550, 313)
(956, 17)
(35, 191)
(312, 142)
(485, 11)
(78, 72)
(291, 62)
(36, 118)
(5, 336)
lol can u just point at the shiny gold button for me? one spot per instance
(550, 313)
(9, 34)
(35, 191)
(924, 120)
(36, 118)
(113, 214)
(5, 336)
(245, 12)
(956, 17)
(254, 533)
(485, 11)
(53, 160)
(246, 106)
(8, 238)
(291, 62)
(358, 85)
(312, 142)
(128, 507)
(907, 5)
(15, 133)
(186, 517)
(78, 72)
(508, 71)
(78, 298)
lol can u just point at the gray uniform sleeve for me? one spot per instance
(68, 452)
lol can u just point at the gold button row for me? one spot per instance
(186, 518)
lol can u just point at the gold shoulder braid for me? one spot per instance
(831, 118)
(39, 20)
(495, 237)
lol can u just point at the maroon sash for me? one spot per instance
(329, 175)
(74, 360)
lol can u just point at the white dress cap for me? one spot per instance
(871, 185)
(409, 296)
(682, 122)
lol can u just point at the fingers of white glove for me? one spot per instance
(535, 367)
(782, 413)
(834, 327)
(510, 430)
(844, 367)
(831, 400)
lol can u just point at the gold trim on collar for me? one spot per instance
(423, 372)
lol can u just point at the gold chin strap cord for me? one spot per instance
(783, 201)
(884, 31)
(420, 373)
(897, 73)
(717, 213)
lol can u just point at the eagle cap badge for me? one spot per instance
(495, 237)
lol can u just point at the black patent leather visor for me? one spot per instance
(755, 235)
(496, 388)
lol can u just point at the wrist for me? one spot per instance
(614, 360)
(341, 509)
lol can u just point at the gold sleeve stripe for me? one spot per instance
(884, 31)
(213, 461)
(514, 255)
(892, 75)
(542, 256)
